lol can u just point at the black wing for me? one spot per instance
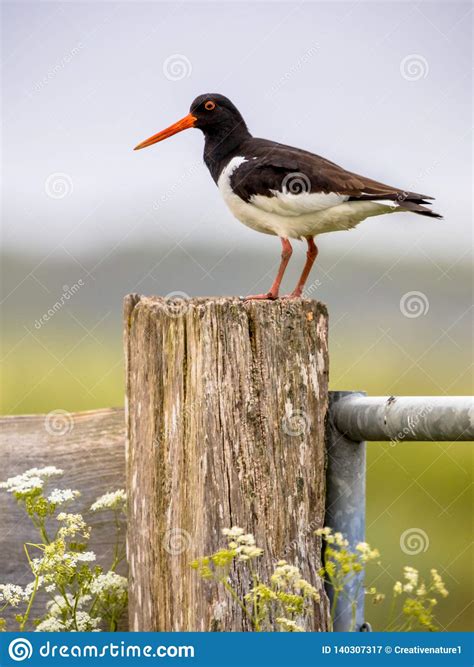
(275, 168)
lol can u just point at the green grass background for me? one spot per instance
(75, 362)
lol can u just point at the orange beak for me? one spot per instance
(183, 124)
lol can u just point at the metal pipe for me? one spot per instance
(404, 418)
(354, 418)
(345, 505)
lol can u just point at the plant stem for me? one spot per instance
(334, 606)
(26, 615)
(234, 595)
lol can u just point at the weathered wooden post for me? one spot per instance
(226, 404)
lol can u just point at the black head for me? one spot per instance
(214, 114)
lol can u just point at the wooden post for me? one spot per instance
(226, 405)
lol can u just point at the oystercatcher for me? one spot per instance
(281, 190)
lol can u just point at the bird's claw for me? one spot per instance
(261, 297)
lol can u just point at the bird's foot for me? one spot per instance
(269, 296)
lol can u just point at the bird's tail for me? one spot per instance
(419, 207)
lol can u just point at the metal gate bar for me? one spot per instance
(355, 418)
(438, 418)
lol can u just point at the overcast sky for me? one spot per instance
(383, 89)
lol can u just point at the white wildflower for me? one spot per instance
(58, 605)
(61, 496)
(340, 540)
(285, 573)
(366, 552)
(29, 588)
(242, 543)
(73, 524)
(85, 622)
(83, 600)
(110, 501)
(438, 583)
(411, 576)
(36, 565)
(233, 532)
(11, 594)
(288, 625)
(109, 582)
(323, 532)
(398, 588)
(51, 624)
(30, 480)
(22, 484)
(85, 556)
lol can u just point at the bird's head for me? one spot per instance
(212, 113)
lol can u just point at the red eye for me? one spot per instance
(210, 105)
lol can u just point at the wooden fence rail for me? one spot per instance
(89, 447)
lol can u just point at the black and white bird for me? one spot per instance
(281, 190)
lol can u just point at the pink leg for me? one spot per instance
(310, 257)
(275, 288)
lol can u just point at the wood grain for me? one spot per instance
(89, 447)
(226, 408)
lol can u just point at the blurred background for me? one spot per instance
(382, 89)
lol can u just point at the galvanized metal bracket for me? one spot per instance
(345, 506)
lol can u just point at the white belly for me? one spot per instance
(297, 215)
